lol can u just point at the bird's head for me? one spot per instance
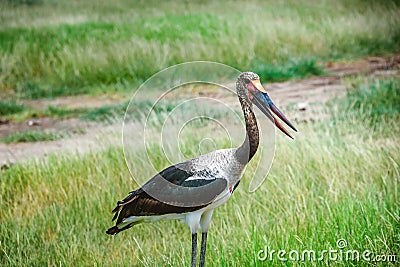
(249, 85)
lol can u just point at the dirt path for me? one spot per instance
(309, 96)
(93, 139)
(305, 96)
(323, 88)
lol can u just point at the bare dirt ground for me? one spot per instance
(310, 95)
(323, 88)
(306, 98)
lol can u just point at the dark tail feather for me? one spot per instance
(113, 230)
(116, 211)
(123, 202)
(117, 208)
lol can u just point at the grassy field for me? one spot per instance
(51, 48)
(338, 179)
(31, 136)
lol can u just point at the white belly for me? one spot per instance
(191, 218)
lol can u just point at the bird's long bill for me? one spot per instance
(264, 103)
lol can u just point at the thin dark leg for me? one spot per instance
(203, 249)
(194, 249)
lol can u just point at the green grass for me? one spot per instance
(31, 136)
(24, 2)
(294, 69)
(377, 99)
(338, 179)
(107, 113)
(10, 107)
(373, 103)
(62, 112)
(56, 112)
(62, 48)
(34, 90)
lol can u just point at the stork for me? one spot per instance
(191, 190)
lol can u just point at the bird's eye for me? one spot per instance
(247, 80)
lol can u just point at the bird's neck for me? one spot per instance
(246, 151)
